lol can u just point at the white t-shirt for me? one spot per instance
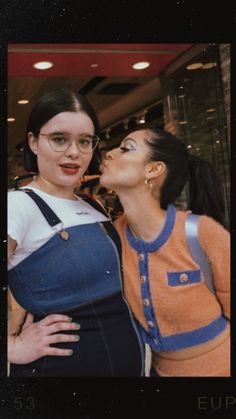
(30, 229)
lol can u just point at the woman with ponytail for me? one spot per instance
(185, 324)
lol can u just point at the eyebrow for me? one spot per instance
(58, 132)
(130, 138)
(68, 133)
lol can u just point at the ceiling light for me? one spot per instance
(189, 146)
(23, 101)
(43, 65)
(94, 65)
(107, 134)
(217, 141)
(126, 123)
(182, 122)
(194, 66)
(141, 65)
(142, 119)
(11, 119)
(211, 110)
(208, 66)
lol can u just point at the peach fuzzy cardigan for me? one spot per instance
(165, 287)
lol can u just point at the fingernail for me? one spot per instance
(70, 352)
(77, 338)
(70, 319)
(77, 325)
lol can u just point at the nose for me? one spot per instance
(111, 153)
(108, 155)
(72, 149)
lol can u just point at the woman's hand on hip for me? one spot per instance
(35, 338)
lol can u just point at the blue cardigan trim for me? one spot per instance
(188, 339)
(143, 246)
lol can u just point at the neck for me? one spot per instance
(144, 215)
(65, 192)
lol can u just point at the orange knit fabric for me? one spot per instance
(214, 363)
(179, 309)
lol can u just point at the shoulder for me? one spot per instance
(208, 225)
(214, 238)
(17, 199)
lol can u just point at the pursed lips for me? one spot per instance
(103, 166)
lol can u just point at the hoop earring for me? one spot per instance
(148, 183)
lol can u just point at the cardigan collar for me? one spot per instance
(144, 246)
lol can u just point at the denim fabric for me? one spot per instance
(108, 345)
(65, 274)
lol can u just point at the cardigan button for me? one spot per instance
(141, 256)
(183, 278)
(143, 279)
(146, 302)
(150, 323)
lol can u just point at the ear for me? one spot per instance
(155, 170)
(33, 142)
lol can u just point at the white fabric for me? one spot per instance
(27, 225)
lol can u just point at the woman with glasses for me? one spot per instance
(64, 265)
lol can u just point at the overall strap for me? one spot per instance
(109, 227)
(53, 219)
(197, 252)
(48, 213)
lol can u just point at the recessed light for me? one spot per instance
(217, 141)
(182, 122)
(208, 66)
(94, 65)
(211, 110)
(189, 146)
(11, 119)
(141, 65)
(23, 101)
(43, 65)
(194, 66)
(142, 119)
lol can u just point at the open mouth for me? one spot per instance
(70, 168)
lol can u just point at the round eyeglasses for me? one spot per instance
(61, 141)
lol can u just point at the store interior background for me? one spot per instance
(185, 90)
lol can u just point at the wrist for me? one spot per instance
(11, 344)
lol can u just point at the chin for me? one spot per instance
(104, 181)
(70, 182)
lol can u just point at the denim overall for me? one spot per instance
(79, 277)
